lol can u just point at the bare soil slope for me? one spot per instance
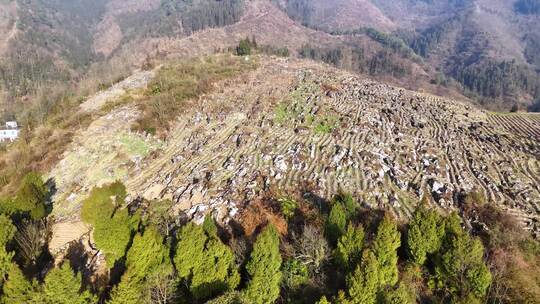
(293, 122)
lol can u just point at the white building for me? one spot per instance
(10, 132)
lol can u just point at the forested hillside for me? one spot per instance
(330, 252)
(270, 151)
(463, 40)
(54, 46)
(242, 177)
(448, 46)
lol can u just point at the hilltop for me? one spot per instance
(223, 151)
(293, 122)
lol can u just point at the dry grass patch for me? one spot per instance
(181, 82)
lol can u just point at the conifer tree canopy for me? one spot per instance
(385, 245)
(349, 247)
(264, 268)
(62, 286)
(363, 284)
(425, 233)
(204, 261)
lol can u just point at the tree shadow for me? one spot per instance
(51, 187)
(81, 261)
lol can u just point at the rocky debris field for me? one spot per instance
(294, 122)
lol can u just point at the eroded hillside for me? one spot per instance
(292, 122)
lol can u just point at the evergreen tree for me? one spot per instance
(209, 226)
(424, 235)
(128, 292)
(18, 290)
(385, 245)
(147, 258)
(336, 223)
(263, 268)
(231, 297)
(6, 235)
(204, 261)
(348, 202)
(111, 222)
(8, 230)
(62, 286)
(400, 295)
(349, 247)
(148, 255)
(112, 235)
(363, 283)
(30, 198)
(244, 47)
(323, 300)
(460, 271)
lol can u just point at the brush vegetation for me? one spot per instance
(344, 254)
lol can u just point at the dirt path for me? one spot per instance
(138, 80)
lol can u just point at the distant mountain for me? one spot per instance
(486, 50)
(491, 48)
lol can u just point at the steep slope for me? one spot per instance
(293, 122)
(273, 28)
(337, 15)
(8, 27)
(53, 43)
(58, 41)
(461, 42)
(108, 35)
(486, 49)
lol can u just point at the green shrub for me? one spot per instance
(244, 47)
(288, 207)
(294, 273)
(100, 202)
(325, 125)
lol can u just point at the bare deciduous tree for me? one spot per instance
(162, 289)
(31, 238)
(311, 248)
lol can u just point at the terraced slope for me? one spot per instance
(293, 122)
